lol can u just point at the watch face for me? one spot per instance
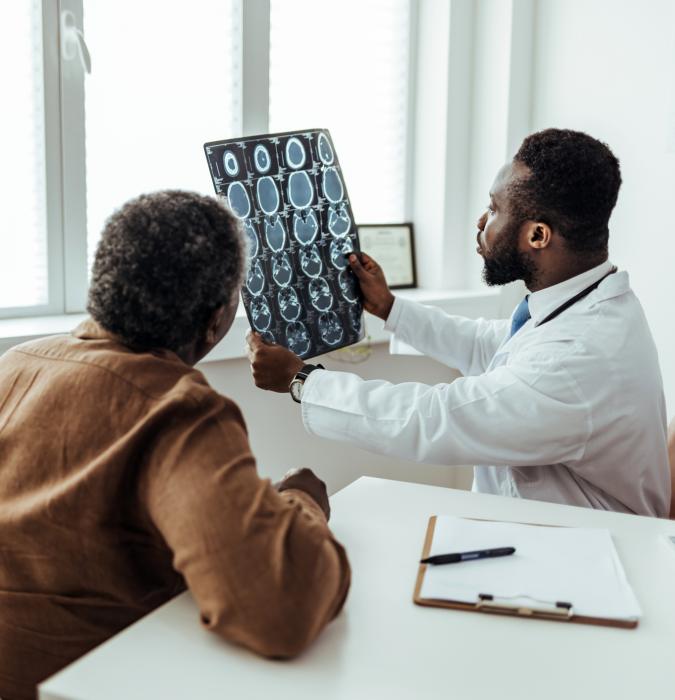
(296, 389)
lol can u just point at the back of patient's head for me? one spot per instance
(166, 261)
(573, 186)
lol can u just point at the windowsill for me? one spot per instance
(14, 331)
(461, 302)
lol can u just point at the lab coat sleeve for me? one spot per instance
(526, 415)
(462, 343)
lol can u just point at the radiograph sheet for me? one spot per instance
(289, 193)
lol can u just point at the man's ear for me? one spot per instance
(214, 324)
(539, 235)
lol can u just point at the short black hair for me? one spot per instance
(573, 186)
(165, 262)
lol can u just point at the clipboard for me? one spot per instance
(560, 611)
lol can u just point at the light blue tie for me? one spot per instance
(520, 316)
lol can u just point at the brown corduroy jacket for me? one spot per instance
(125, 477)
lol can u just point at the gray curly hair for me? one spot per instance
(166, 261)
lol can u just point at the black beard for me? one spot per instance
(505, 263)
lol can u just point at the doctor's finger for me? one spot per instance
(358, 269)
(354, 261)
(368, 263)
(254, 340)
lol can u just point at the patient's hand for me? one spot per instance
(377, 297)
(306, 480)
(273, 366)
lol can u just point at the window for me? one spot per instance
(23, 233)
(345, 66)
(165, 78)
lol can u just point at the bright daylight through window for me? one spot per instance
(344, 66)
(156, 93)
(161, 85)
(23, 236)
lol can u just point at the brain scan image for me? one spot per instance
(255, 279)
(356, 318)
(339, 249)
(238, 200)
(261, 314)
(268, 195)
(298, 338)
(251, 239)
(348, 286)
(295, 153)
(325, 150)
(289, 304)
(275, 233)
(305, 226)
(330, 328)
(289, 192)
(231, 164)
(261, 158)
(339, 223)
(282, 272)
(320, 294)
(300, 190)
(332, 185)
(310, 261)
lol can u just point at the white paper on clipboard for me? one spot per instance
(577, 565)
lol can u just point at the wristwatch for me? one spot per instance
(298, 382)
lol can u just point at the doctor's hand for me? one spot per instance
(377, 297)
(273, 366)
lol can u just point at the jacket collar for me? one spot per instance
(545, 301)
(90, 329)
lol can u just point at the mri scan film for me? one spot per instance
(290, 195)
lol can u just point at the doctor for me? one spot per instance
(562, 402)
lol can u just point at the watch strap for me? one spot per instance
(306, 371)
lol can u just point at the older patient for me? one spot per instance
(125, 477)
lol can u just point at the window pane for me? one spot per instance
(166, 77)
(23, 235)
(344, 66)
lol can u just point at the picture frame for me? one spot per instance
(393, 247)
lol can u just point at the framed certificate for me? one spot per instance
(393, 247)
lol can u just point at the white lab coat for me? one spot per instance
(571, 411)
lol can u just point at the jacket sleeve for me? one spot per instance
(262, 566)
(461, 343)
(526, 414)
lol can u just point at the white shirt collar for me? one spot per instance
(545, 301)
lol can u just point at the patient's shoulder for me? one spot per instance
(104, 368)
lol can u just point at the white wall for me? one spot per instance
(280, 442)
(490, 53)
(608, 67)
(497, 63)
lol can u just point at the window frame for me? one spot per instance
(52, 160)
(65, 157)
(73, 171)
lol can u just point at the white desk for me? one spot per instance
(384, 646)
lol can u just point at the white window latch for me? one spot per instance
(73, 44)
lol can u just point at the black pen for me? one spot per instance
(468, 556)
